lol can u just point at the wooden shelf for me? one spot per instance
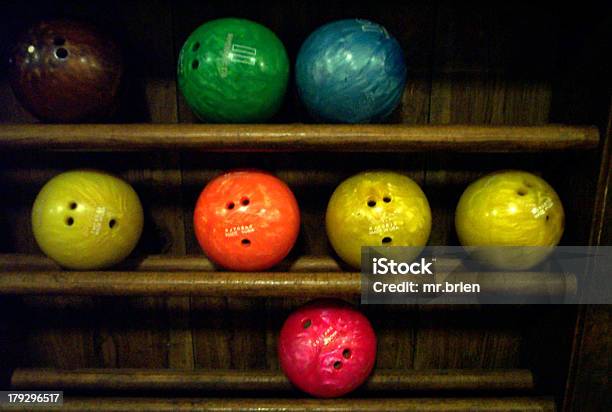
(263, 380)
(144, 283)
(514, 404)
(298, 137)
(190, 276)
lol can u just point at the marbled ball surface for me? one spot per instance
(350, 71)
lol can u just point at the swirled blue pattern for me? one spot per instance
(350, 71)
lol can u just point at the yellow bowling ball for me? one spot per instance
(87, 219)
(510, 208)
(377, 208)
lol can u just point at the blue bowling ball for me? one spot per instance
(350, 71)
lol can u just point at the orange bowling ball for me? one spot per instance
(246, 220)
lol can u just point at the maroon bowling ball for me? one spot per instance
(66, 71)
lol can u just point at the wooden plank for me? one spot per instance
(133, 332)
(262, 380)
(58, 332)
(514, 404)
(296, 137)
(212, 337)
(248, 333)
(466, 336)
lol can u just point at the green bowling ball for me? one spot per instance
(233, 71)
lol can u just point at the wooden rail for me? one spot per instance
(255, 284)
(298, 137)
(145, 283)
(514, 404)
(196, 276)
(261, 380)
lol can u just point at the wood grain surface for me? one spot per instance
(264, 381)
(262, 284)
(510, 404)
(298, 137)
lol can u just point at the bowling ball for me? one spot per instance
(234, 71)
(66, 71)
(327, 348)
(87, 219)
(350, 71)
(378, 208)
(512, 218)
(246, 220)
